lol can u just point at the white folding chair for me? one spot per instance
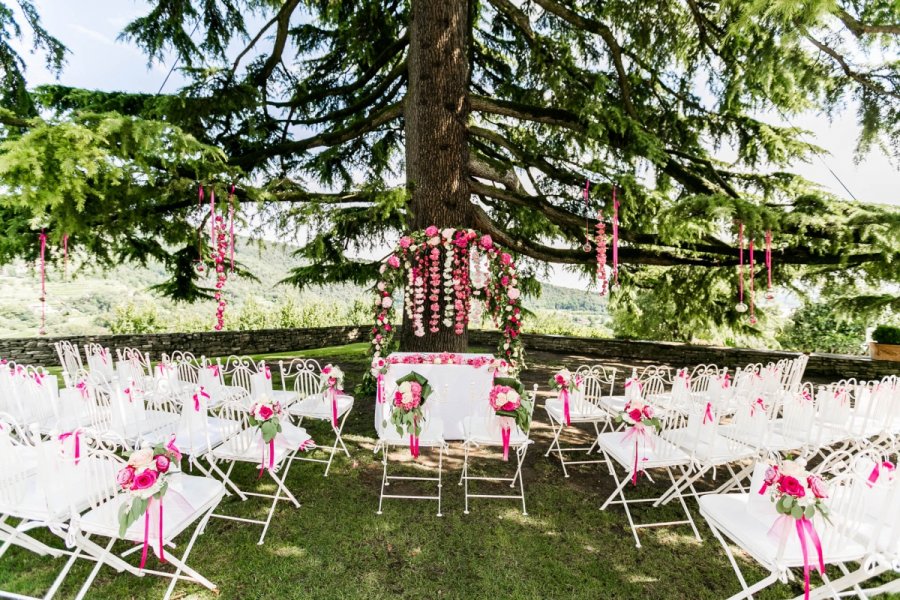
(244, 444)
(639, 454)
(186, 365)
(432, 436)
(747, 520)
(314, 404)
(485, 431)
(70, 359)
(189, 501)
(584, 407)
(99, 360)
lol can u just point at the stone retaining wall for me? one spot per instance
(223, 343)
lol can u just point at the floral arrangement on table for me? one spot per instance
(449, 277)
(412, 392)
(145, 479)
(565, 382)
(509, 402)
(264, 415)
(331, 380)
(641, 419)
(798, 495)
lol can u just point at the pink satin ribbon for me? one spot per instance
(197, 396)
(876, 471)
(379, 391)
(77, 435)
(268, 372)
(262, 466)
(214, 369)
(128, 393)
(564, 395)
(43, 240)
(414, 445)
(805, 528)
(707, 416)
(758, 402)
(504, 436)
(231, 225)
(615, 236)
(162, 555)
(81, 386)
(334, 407)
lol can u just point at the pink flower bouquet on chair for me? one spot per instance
(412, 392)
(798, 495)
(641, 420)
(565, 382)
(331, 381)
(507, 398)
(145, 481)
(264, 415)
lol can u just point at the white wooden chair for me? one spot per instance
(485, 431)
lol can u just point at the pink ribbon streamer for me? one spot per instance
(504, 436)
(805, 528)
(77, 436)
(379, 391)
(262, 466)
(741, 261)
(334, 407)
(214, 369)
(640, 434)
(43, 239)
(707, 416)
(197, 396)
(268, 372)
(876, 471)
(757, 403)
(231, 225)
(81, 386)
(564, 395)
(414, 445)
(162, 555)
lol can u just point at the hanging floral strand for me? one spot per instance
(231, 225)
(752, 273)
(603, 282)
(770, 294)
(615, 240)
(219, 252)
(587, 211)
(740, 306)
(43, 240)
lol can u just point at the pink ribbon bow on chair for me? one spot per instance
(564, 395)
(82, 387)
(876, 471)
(214, 369)
(201, 393)
(707, 415)
(641, 435)
(268, 372)
(76, 435)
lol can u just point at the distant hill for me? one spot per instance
(90, 299)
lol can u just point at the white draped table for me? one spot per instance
(460, 391)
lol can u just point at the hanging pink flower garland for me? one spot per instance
(600, 243)
(219, 252)
(434, 265)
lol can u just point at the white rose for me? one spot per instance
(513, 293)
(448, 233)
(141, 459)
(380, 286)
(387, 302)
(405, 387)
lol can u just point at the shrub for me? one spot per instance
(887, 334)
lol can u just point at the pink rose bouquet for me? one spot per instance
(143, 478)
(412, 392)
(795, 491)
(510, 403)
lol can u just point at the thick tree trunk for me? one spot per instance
(435, 114)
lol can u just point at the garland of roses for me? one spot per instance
(433, 265)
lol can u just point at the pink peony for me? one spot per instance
(431, 231)
(145, 479)
(817, 486)
(635, 415)
(560, 379)
(162, 463)
(265, 412)
(648, 411)
(513, 293)
(415, 387)
(387, 302)
(504, 281)
(772, 475)
(486, 242)
(125, 477)
(405, 242)
(791, 486)
(393, 261)
(505, 258)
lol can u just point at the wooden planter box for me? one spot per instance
(884, 351)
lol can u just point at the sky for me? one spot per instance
(89, 28)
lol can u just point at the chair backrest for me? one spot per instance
(300, 375)
(661, 372)
(799, 416)
(186, 364)
(603, 376)
(134, 364)
(231, 421)
(69, 358)
(99, 360)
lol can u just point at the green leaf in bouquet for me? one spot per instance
(511, 382)
(788, 501)
(780, 509)
(162, 490)
(810, 512)
(797, 511)
(269, 429)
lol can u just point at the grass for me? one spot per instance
(335, 546)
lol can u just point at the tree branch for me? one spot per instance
(848, 70)
(859, 29)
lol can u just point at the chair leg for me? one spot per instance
(101, 557)
(522, 451)
(181, 563)
(558, 427)
(684, 504)
(384, 461)
(466, 477)
(620, 491)
(747, 592)
(440, 478)
(226, 477)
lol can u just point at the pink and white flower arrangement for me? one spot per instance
(566, 380)
(795, 491)
(264, 414)
(332, 377)
(143, 478)
(412, 392)
(639, 413)
(507, 398)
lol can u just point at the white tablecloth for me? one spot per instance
(460, 391)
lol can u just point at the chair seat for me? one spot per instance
(295, 437)
(750, 530)
(197, 441)
(585, 412)
(485, 431)
(318, 407)
(432, 435)
(284, 397)
(718, 450)
(153, 421)
(187, 498)
(247, 446)
(614, 404)
(660, 454)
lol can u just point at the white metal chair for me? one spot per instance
(189, 501)
(99, 360)
(747, 519)
(584, 407)
(70, 359)
(244, 444)
(313, 404)
(485, 431)
(431, 437)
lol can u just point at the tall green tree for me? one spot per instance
(358, 120)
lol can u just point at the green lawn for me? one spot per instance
(335, 546)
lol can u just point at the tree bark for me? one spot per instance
(437, 156)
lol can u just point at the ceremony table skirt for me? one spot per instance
(460, 391)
